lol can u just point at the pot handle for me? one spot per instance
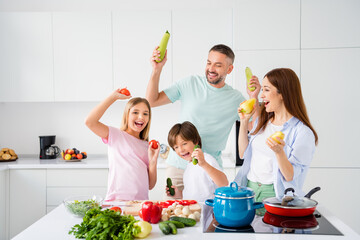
(258, 205)
(234, 188)
(210, 202)
(312, 191)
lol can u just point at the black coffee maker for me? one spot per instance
(46, 150)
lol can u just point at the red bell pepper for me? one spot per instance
(150, 212)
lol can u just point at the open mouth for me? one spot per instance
(266, 103)
(139, 124)
(212, 75)
(185, 155)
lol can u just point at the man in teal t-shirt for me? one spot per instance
(206, 101)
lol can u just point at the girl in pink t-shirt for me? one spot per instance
(132, 161)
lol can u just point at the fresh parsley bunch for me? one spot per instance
(104, 225)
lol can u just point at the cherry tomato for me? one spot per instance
(116, 209)
(170, 202)
(192, 201)
(125, 92)
(154, 144)
(185, 202)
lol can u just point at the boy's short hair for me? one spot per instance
(186, 131)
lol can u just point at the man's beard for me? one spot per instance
(215, 81)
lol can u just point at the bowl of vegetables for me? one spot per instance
(79, 205)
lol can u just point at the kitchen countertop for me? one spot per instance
(92, 161)
(58, 222)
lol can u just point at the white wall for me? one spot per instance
(319, 40)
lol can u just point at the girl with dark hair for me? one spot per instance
(271, 166)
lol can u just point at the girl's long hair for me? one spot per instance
(144, 134)
(288, 85)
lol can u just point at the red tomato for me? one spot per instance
(125, 92)
(184, 202)
(116, 209)
(170, 202)
(192, 201)
(154, 144)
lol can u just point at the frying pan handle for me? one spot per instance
(288, 190)
(312, 191)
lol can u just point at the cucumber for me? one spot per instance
(163, 46)
(249, 75)
(173, 228)
(165, 228)
(194, 160)
(188, 222)
(176, 223)
(169, 184)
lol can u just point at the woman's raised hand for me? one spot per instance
(246, 116)
(254, 82)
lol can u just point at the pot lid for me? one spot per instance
(234, 191)
(298, 203)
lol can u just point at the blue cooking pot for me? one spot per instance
(234, 206)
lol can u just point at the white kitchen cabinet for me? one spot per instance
(136, 34)
(266, 25)
(196, 31)
(330, 24)
(4, 210)
(329, 89)
(62, 183)
(26, 59)
(27, 198)
(82, 56)
(262, 61)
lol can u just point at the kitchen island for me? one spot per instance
(57, 223)
(45, 183)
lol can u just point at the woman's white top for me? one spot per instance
(261, 167)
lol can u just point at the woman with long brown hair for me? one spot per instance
(271, 166)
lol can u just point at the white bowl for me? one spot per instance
(79, 205)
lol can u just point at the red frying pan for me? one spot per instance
(299, 207)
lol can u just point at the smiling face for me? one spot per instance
(271, 97)
(184, 148)
(138, 119)
(217, 67)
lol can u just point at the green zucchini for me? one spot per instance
(163, 46)
(176, 223)
(169, 184)
(249, 75)
(173, 228)
(165, 228)
(188, 222)
(194, 160)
